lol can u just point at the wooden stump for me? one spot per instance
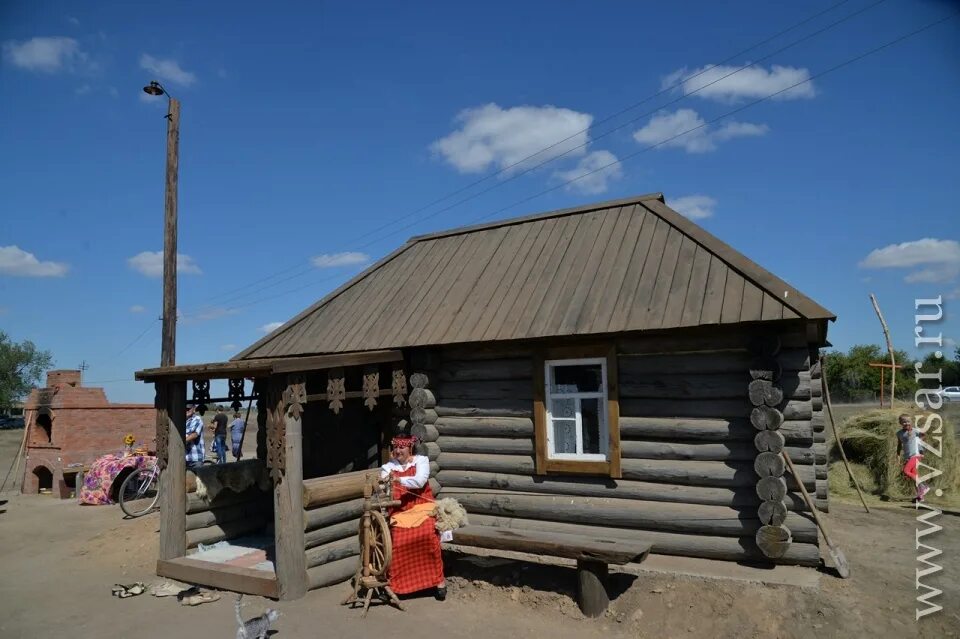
(772, 513)
(766, 418)
(769, 441)
(774, 541)
(592, 587)
(763, 392)
(772, 488)
(769, 465)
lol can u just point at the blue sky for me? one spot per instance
(308, 130)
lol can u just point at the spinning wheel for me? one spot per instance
(376, 540)
(376, 548)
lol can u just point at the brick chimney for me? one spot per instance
(63, 378)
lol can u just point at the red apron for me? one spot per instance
(417, 564)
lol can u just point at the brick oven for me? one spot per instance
(69, 426)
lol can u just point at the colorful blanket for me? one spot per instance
(98, 481)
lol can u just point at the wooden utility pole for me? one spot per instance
(893, 361)
(169, 340)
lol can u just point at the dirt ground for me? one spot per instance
(60, 559)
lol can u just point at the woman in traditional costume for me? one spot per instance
(417, 563)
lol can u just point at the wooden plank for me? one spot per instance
(462, 327)
(539, 416)
(288, 509)
(613, 412)
(331, 489)
(767, 280)
(679, 287)
(441, 256)
(772, 309)
(225, 531)
(555, 231)
(333, 514)
(598, 547)
(376, 320)
(172, 400)
(522, 269)
(704, 339)
(713, 296)
(707, 386)
(220, 516)
(640, 304)
(521, 320)
(339, 360)
(752, 303)
(649, 247)
(335, 550)
(332, 532)
(627, 513)
(485, 408)
(562, 284)
(600, 304)
(734, 364)
(221, 576)
(592, 277)
(657, 304)
(465, 285)
(696, 288)
(744, 451)
(665, 543)
(732, 298)
(485, 370)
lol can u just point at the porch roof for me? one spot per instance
(265, 366)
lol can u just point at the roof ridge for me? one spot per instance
(586, 208)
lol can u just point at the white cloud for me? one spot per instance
(167, 70)
(940, 259)
(73, 21)
(749, 83)
(228, 347)
(953, 295)
(16, 261)
(695, 207)
(150, 263)
(45, 54)
(492, 136)
(949, 342)
(271, 327)
(593, 173)
(136, 308)
(685, 129)
(114, 93)
(330, 260)
(83, 89)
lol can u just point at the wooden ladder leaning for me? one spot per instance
(376, 548)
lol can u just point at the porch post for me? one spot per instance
(171, 406)
(285, 457)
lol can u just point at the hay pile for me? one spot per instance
(870, 442)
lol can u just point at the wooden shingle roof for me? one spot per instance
(626, 265)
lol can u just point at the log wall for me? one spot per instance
(228, 515)
(688, 446)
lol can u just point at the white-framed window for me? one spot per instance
(576, 409)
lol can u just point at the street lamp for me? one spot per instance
(169, 338)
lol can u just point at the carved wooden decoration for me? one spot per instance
(276, 442)
(336, 392)
(201, 394)
(399, 387)
(295, 396)
(236, 393)
(371, 387)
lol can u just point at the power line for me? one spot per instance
(674, 137)
(304, 269)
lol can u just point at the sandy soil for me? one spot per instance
(59, 561)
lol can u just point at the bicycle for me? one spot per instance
(140, 491)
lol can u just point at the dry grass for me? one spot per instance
(869, 439)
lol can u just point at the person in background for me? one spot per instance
(909, 441)
(237, 426)
(219, 426)
(194, 438)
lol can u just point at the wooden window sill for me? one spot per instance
(575, 467)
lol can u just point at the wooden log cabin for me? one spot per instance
(607, 369)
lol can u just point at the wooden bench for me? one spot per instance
(593, 554)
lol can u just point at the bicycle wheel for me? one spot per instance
(139, 492)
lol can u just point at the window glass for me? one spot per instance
(577, 379)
